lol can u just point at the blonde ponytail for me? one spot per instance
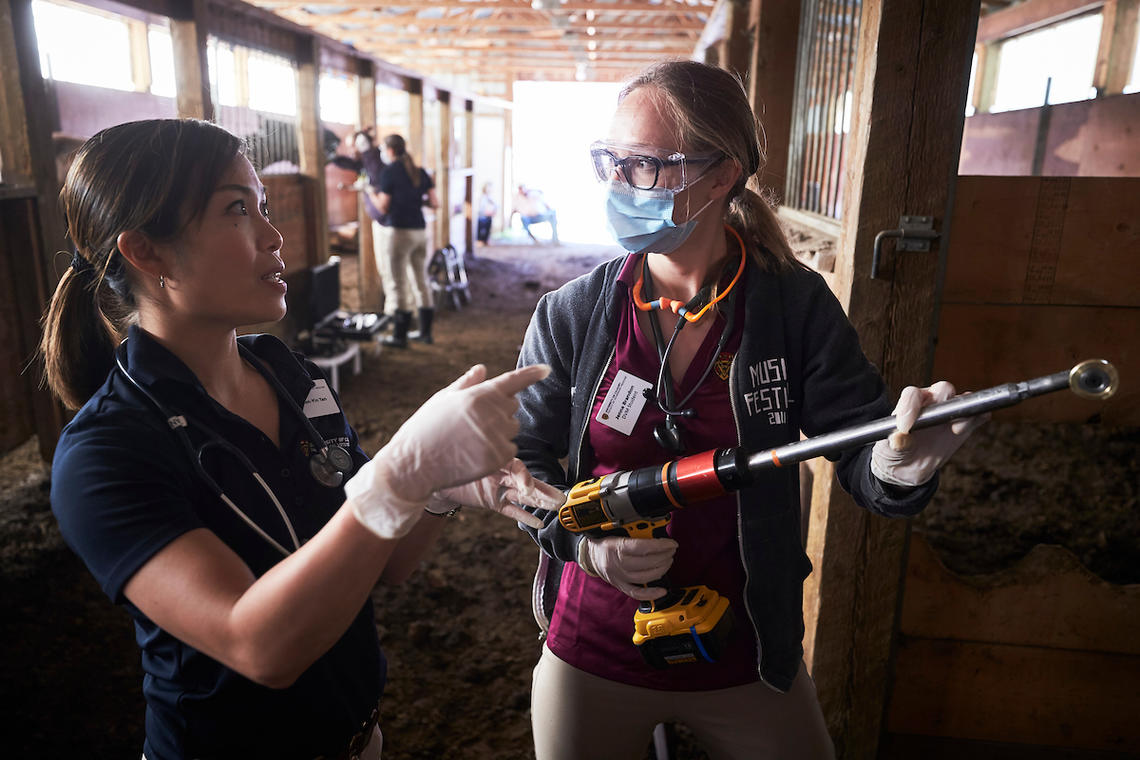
(754, 217)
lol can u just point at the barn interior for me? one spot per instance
(964, 175)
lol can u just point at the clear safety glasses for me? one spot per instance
(646, 171)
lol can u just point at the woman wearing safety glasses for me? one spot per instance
(212, 484)
(708, 334)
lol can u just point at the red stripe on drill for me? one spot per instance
(696, 477)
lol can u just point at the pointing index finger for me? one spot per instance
(514, 381)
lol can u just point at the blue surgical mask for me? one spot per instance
(642, 220)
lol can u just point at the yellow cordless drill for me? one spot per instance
(692, 624)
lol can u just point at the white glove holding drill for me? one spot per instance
(910, 459)
(460, 434)
(501, 491)
(628, 564)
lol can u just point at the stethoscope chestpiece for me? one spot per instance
(330, 465)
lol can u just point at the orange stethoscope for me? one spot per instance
(678, 307)
(668, 434)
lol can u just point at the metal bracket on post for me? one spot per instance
(914, 234)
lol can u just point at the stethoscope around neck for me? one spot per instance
(668, 434)
(328, 464)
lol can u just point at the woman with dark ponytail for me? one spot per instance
(402, 248)
(212, 484)
(707, 334)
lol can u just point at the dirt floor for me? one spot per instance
(459, 636)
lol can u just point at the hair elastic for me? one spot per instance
(82, 266)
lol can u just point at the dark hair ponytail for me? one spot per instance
(399, 149)
(152, 176)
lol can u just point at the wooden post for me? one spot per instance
(191, 72)
(771, 81)
(29, 161)
(1117, 46)
(415, 139)
(736, 56)
(443, 172)
(368, 281)
(469, 167)
(140, 54)
(310, 146)
(910, 91)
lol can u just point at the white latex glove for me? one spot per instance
(502, 491)
(910, 459)
(628, 564)
(460, 434)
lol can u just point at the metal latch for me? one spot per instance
(914, 234)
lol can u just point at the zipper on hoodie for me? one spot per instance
(537, 589)
(577, 475)
(740, 528)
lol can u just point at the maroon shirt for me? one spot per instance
(592, 625)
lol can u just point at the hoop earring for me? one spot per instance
(162, 281)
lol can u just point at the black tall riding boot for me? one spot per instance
(399, 337)
(423, 335)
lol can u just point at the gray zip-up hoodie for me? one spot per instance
(799, 368)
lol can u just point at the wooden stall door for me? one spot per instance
(1041, 660)
(1044, 272)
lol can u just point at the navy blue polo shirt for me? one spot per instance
(123, 487)
(406, 209)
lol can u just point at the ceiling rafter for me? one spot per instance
(550, 6)
(490, 42)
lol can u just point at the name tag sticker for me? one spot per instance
(624, 402)
(320, 401)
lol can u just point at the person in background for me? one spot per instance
(708, 334)
(531, 206)
(404, 189)
(368, 163)
(487, 210)
(212, 484)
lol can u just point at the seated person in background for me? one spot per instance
(532, 208)
(487, 210)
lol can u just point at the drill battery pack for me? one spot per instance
(694, 629)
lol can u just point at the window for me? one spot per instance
(83, 47)
(272, 84)
(340, 101)
(223, 72)
(161, 61)
(1032, 73)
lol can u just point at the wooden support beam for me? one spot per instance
(188, 35)
(1029, 15)
(311, 148)
(619, 6)
(140, 54)
(443, 173)
(771, 81)
(737, 44)
(416, 140)
(29, 160)
(1117, 46)
(469, 164)
(368, 282)
(910, 89)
